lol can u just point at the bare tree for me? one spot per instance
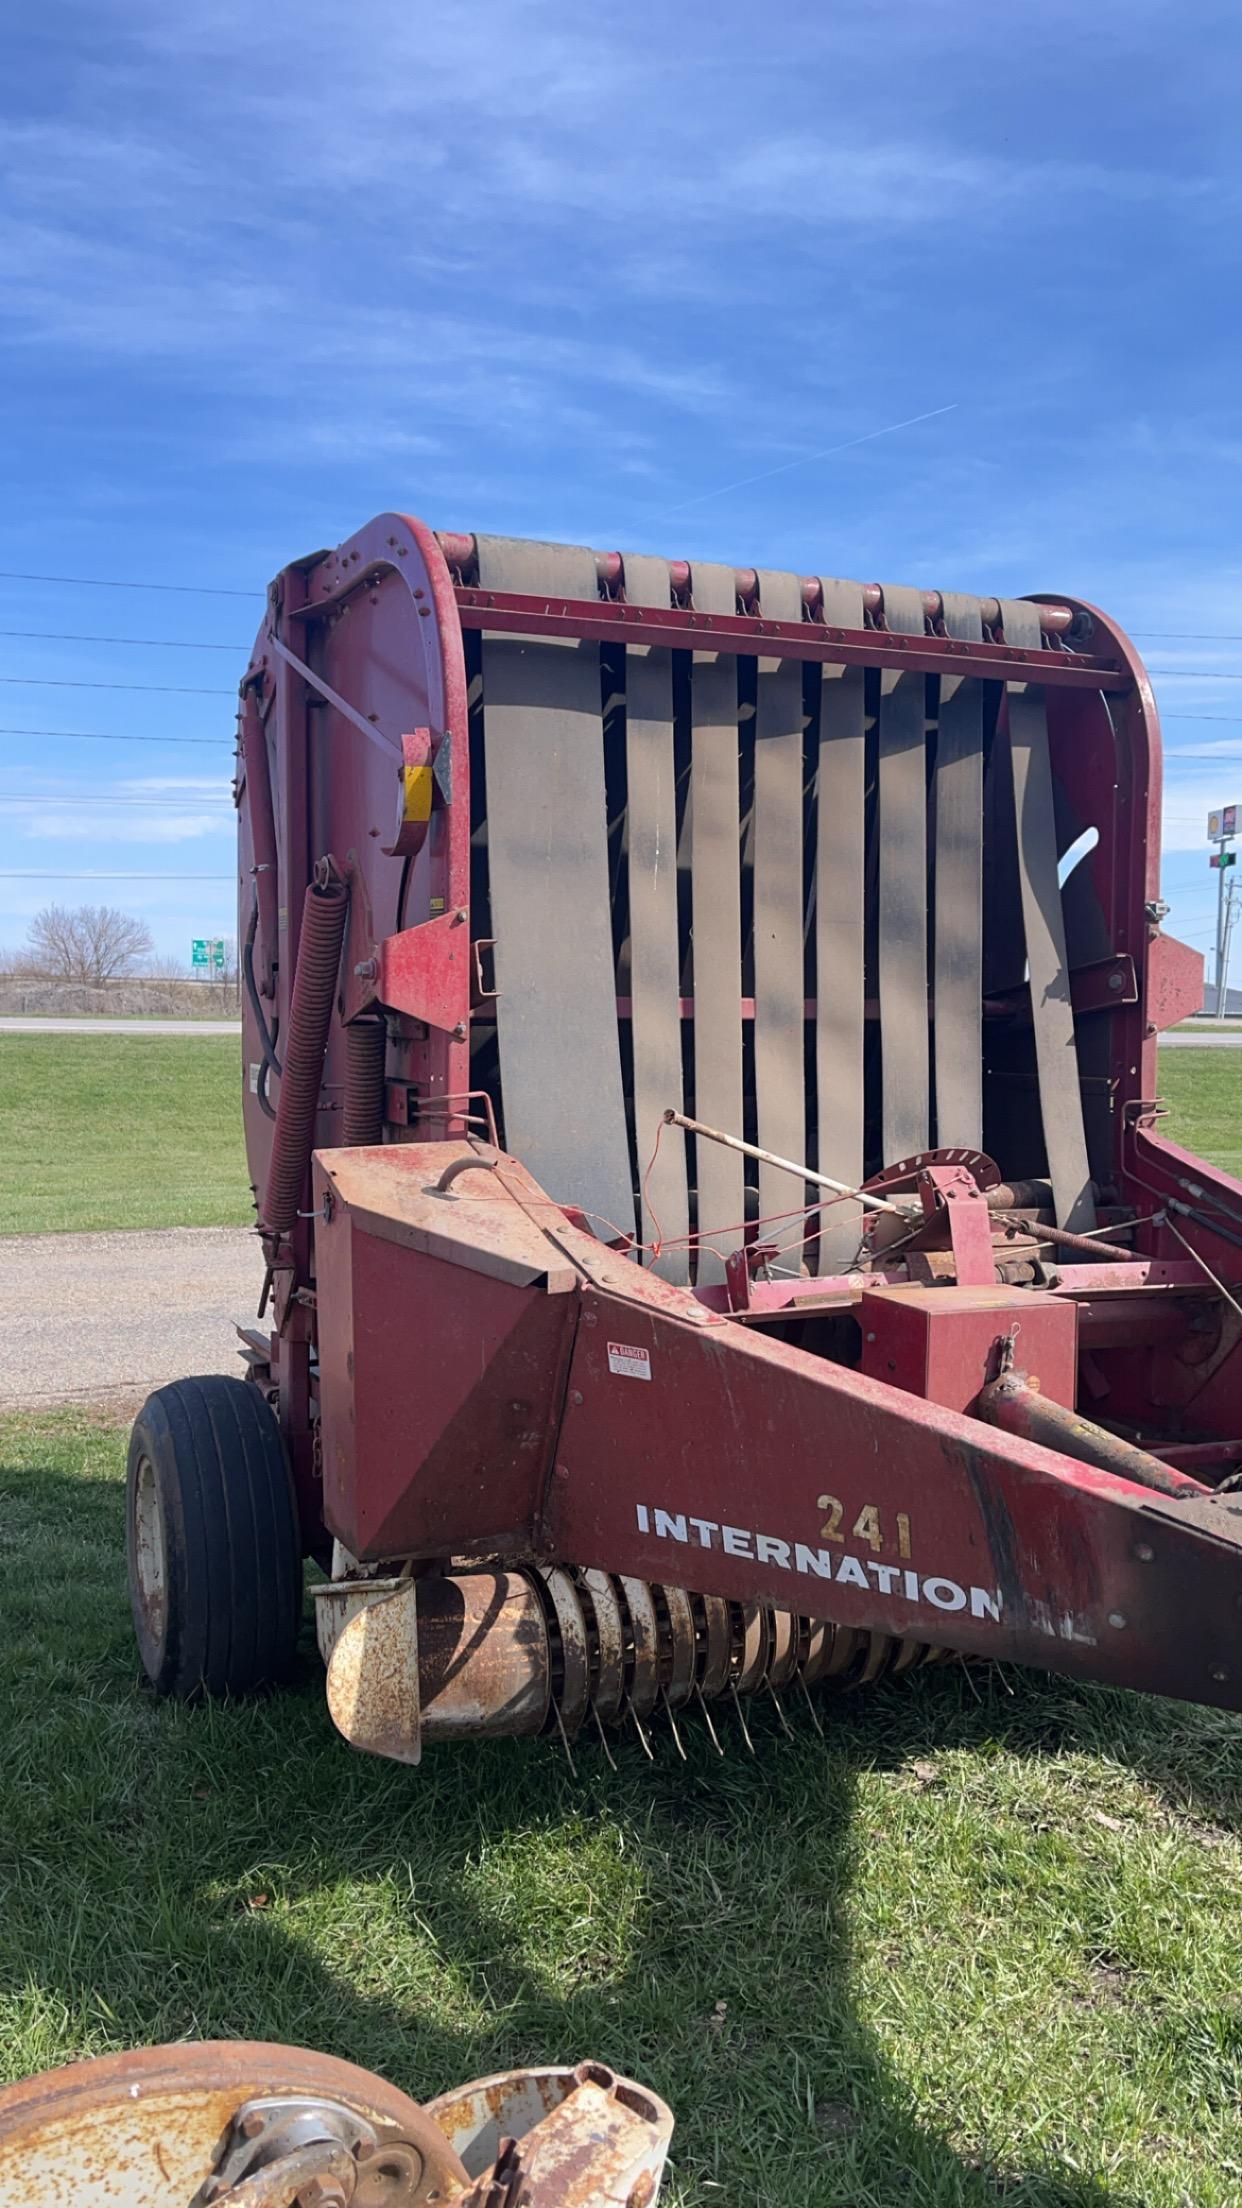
(92, 943)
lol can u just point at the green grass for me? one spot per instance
(117, 1131)
(978, 1945)
(131, 1019)
(1203, 1089)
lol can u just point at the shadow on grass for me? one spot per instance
(237, 1872)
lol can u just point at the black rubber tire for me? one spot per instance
(215, 1569)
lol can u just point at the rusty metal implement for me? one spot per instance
(232, 2124)
(697, 1061)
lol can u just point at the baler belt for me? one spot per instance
(902, 922)
(716, 910)
(840, 898)
(1056, 1051)
(780, 994)
(560, 1057)
(957, 989)
(655, 967)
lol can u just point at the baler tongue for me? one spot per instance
(654, 1327)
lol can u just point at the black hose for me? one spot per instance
(267, 1037)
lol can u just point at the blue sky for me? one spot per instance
(570, 273)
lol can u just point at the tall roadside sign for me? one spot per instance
(1222, 828)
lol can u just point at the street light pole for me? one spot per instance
(1223, 966)
(1222, 827)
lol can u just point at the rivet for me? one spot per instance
(1219, 1673)
(575, 1395)
(562, 1471)
(1115, 1618)
(1146, 1554)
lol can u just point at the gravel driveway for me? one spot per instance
(103, 1318)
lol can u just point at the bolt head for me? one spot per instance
(1144, 1552)
(1116, 1619)
(322, 2192)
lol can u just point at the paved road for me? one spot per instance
(1211, 1038)
(102, 1318)
(9, 1026)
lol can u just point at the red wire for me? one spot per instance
(694, 1239)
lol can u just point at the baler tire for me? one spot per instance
(215, 1574)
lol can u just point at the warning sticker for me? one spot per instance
(631, 1363)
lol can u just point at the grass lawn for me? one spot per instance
(118, 1131)
(1203, 1089)
(978, 1945)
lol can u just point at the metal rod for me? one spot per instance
(714, 1735)
(682, 629)
(459, 550)
(1060, 1235)
(674, 1118)
(1202, 1262)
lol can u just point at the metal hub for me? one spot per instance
(222, 2125)
(150, 1549)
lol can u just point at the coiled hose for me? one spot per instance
(305, 1041)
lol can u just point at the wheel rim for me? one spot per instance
(150, 1560)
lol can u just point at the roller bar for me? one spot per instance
(460, 553)
(682, 629)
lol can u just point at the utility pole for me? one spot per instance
(1223, 968)
(1222, 827)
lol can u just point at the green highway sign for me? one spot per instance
(207, 954)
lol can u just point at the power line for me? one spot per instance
(167, 690)
(45, 874)
(101, 736)
(214, 590)
(101, 582)
(203, 799)
(160, 643)
(1194, 674)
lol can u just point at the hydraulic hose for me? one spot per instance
(305, 1041)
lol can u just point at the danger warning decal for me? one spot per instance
(631, 1363)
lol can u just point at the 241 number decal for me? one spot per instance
(868, 1526)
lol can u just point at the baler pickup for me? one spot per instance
(701, 1105)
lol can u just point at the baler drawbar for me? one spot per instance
(701, 1102)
